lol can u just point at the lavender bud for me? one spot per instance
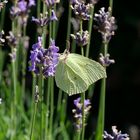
(36, 96)
(2, 4)
(42, 21)
(81, 38)
(14, 12)
(82, 10)
(105, 61)
(51, 3)
(12, 40)
(26, 42)
(13, 54)
(115, 135)
(2, 40)
(106, 24)
(78, 112)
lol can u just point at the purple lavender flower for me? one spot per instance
(13, 54)
(78, 111)
(105, 24)
(51, 60)
(2, 40)
(31, 3)
(81, 10)
(81, 38)
(12, 39)
(46, 59)
(51, 3)
(42, 21)
(115, 135)
(21, 9)
(105, 61)
(14, 12)
(22, 5)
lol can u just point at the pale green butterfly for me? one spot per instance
(75, 73)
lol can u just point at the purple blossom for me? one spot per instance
(22, 5)
(21, 9)
(115, 135)
(44, 60)
(106, 24)
(42, 21)
(13, 54)
(12, 39)
(81, 10)
(78, 111)
(51, 3)
(105, 61)
(51, 60)
(81, 38)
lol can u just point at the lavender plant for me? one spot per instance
(43, 109)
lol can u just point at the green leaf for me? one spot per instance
(75, 73)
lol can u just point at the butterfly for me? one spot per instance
(75, 73)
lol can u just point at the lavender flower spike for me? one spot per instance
(106, 24)
(115, 135)
(105, 61)
(81, 38)
(44, 60)
(82, 10)
(42, 21)
(51, 60)
(51, 3)
(78, 111)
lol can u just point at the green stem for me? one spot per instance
(83, 116)
(2, 18)
(44, 28)
(54, 26)
(69, 23)
(15, 99)
(47, 109)
(38, 8)
(59, 100)
(90, 31)
(50, 27)
(111, 5)
(51, 106)
(24, 54)
(83, 94)
(33, 121)
(101, 115)
(41, 108)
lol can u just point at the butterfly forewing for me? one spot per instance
(67, 80)
(91, 71)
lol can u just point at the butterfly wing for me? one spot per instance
(75, 73)
(91, 71)
(67, 80)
